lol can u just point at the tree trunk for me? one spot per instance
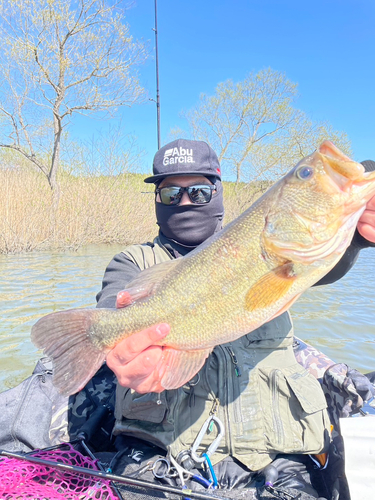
(238, 174)
(55, 163)
(52, 176)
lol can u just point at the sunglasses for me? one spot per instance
(198, 194)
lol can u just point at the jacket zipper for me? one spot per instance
(233, 357)
(223, 394)
(236, 405)
(229, 396)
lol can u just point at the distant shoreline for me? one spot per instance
(92, 210)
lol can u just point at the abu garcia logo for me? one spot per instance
(178, 155)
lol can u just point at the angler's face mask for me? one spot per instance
(190, 225)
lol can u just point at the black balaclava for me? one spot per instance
(190, 225)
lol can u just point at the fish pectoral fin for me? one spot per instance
(148, 280)
(270, 287)
(65, 339)
(178, 367)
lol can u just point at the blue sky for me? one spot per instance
(327, 47)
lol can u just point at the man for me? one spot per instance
(254, 387)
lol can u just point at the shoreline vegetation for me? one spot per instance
(101, 209)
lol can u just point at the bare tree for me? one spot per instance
(111, 153)
(60, 58)
(255, 128)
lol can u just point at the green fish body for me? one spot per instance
(237, 280)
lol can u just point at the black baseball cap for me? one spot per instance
(185, 157)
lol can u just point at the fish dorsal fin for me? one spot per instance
(178, 367)
(270, 288)
(149, 279)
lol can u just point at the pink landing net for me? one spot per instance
(21, 480)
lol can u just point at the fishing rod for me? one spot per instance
(111, 477)
(157, 75)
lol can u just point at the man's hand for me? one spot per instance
(135, 359)
(366, 224)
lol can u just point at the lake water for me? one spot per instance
(339, 319)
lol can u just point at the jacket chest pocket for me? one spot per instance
(293, 408)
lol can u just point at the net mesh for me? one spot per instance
(21, 480)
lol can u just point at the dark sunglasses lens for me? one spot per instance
(170, 195)
(200, 194)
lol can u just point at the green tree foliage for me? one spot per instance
(59, 58)
(255, 128)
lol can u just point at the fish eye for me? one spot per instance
(305, 173)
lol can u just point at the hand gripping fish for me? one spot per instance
(243, 276)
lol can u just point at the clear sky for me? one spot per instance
(327, 47)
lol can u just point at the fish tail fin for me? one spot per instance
(65, 338)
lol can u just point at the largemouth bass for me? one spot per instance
(240, 278)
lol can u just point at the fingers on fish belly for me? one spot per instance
(65, 338)
(178, 367)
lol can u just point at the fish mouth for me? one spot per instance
(340, 168)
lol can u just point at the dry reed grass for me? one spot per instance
(92, 209)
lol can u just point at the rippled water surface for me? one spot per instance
(35, 284)
(338, 319)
